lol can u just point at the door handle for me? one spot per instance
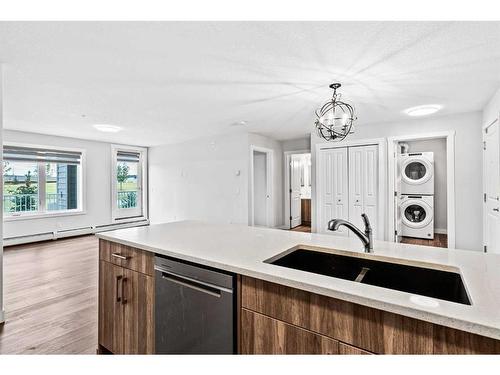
(496, 209)
(118, 297)
(124, 300)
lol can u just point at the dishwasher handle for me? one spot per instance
(191, 283)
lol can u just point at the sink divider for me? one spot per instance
(361, 274)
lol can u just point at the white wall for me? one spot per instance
(468, 165)
(438, 147)
(300, 144)
(199, 180)
(490, 111)
(262, 141)
(97, 191)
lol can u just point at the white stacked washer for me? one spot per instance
(417, 194)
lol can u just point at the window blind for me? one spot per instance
(29, 154)
(128, 156)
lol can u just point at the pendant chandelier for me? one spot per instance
(334, 119)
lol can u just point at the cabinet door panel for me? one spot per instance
(138, 291)
(110, 307)
(263, 335)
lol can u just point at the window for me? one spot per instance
(128, 184)
(39, 180)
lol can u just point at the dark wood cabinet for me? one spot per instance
(264, 335)
(138, 316)
(110, 308)
(126, 300)
(345, 349)
(358, 329)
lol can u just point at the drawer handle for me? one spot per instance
(119, 256)
(118, 298)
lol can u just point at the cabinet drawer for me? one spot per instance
(127, 257)
(263, 335)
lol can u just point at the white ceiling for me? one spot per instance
(166, 82)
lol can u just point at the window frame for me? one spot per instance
(81, 203)
(118, 214)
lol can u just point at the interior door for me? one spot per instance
(363, 185)
(138, 313)
(110, 307)
(295, 197)
(333, 189)
(491, 171)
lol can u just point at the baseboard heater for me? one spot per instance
(19, 240)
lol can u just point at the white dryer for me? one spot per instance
(417, 173)
(417, 216)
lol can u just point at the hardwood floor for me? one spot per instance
(440, 240)
(50, 297)
(302, 228)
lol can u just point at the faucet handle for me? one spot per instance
(367, 222)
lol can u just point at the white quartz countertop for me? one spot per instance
(243, 250)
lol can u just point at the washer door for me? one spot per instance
(416, 171)
(416, 214)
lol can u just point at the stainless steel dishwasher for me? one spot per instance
(194, 309)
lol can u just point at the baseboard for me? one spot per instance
(440, 231)
(21, 240)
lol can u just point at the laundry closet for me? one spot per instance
(421, 193)
(347, 186)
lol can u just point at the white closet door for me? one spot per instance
(333, 188)
(363, 185)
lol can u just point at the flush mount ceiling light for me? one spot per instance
(423, 110)
(108, 128)
(334, 119)
(239, 123)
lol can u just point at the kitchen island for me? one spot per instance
(285, 310)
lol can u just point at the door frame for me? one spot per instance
(382, 177)
(286, 186)
(392, 151)
(269, 185)
(483, 132)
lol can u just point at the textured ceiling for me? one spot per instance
(166, 82)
